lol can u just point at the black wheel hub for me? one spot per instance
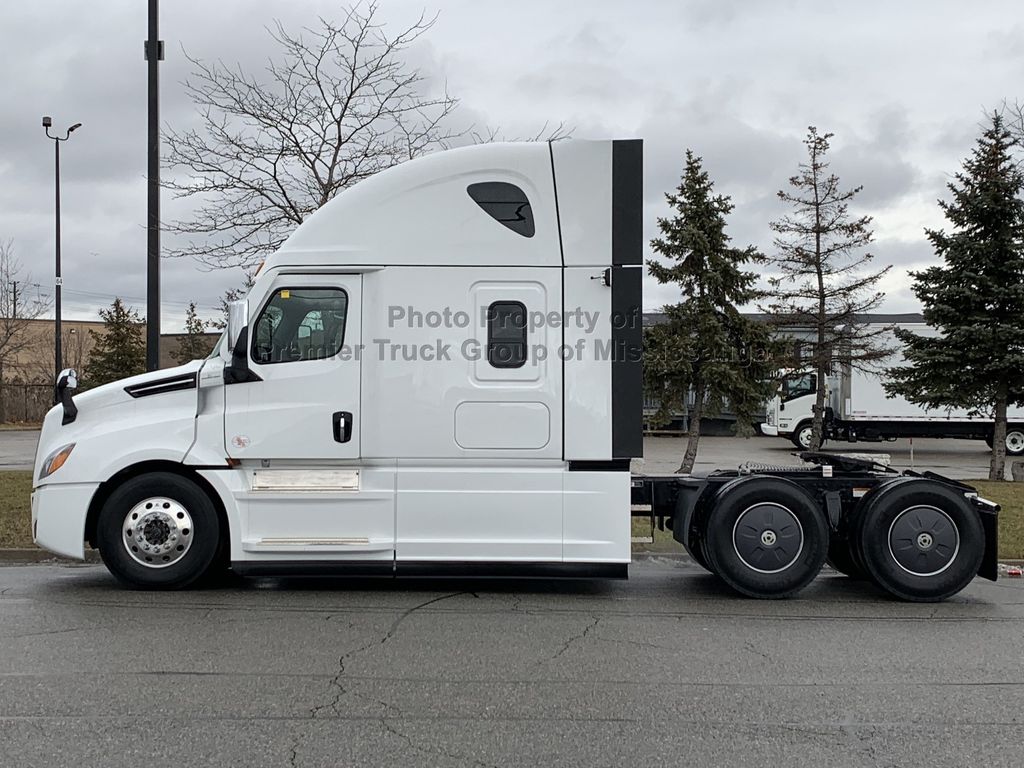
(156, 531)
(923, 540)
(768, 538)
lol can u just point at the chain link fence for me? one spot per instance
(24, 403)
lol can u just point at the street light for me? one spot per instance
(58, 357)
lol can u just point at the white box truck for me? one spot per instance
(439, 373)
(859, 410)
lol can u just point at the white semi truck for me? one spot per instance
(440, 372)
(859, 410)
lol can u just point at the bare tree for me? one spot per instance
(337, 105)
(18, 307)
(546, 132)
(822, 275)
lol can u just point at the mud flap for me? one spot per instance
(989, 568)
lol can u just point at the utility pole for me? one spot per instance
(154, 50)
(14, 300)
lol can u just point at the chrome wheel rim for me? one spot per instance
(1015, 441)
(157, 532)
(923, 540)
(767, 538)
(804, 437)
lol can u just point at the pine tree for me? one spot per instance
(975, 299)
(119, 351)
(195, 345)
(821, 274)
(706, 346)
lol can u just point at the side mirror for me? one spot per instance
(237, 371)
(67, 382)
(67, 378)
(236, 321)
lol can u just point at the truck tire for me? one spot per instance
(919, 540)
(158, 531)
(765, 537)
(841, 558)
(802, 435)
(1014, 440)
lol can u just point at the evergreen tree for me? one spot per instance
(821, 274)
(196, 344)
(706, 346)
(119, 351)
(975, 299)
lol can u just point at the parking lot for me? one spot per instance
(665, 668)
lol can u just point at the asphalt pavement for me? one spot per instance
(18, 448)
(667, 668)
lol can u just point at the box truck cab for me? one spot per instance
(421, 377)
(858, 409)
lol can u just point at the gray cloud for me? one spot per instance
(737, 82)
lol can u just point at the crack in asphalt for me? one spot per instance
(431, 751)
(594, 621)
(336, 681)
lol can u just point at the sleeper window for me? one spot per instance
(506, 334)
(300, 324)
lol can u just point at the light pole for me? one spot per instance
(47, 123)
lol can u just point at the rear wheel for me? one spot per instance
(765, 537)
(159, 531)
(1014, 440)
(920, 540)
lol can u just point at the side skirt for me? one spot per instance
(433, 570)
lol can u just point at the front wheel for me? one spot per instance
(158, 531)
(802, 435)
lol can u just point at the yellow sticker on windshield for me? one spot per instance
(286, 294)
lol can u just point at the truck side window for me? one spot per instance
(798, 385)
(506, 334)
(300, 324)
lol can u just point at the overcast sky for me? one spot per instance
(902, 85)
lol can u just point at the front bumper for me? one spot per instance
(59, 511)
(770, 429)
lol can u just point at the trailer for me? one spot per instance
(858, 409)
(440, 373)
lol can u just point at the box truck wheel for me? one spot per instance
(919, 540)
(766, 537)
(802, 435)
(1014, 440)
(158, 531)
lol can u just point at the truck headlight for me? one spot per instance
(56, 460)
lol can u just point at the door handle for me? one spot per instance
(342, 426)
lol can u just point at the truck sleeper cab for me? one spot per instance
(438, 372)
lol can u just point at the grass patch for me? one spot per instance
(16, 516)
(15, 509)
(1010, 496)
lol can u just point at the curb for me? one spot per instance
(29, 555)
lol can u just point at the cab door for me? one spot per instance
(294, 425)
(302, 401)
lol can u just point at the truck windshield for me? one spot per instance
(797, 385)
